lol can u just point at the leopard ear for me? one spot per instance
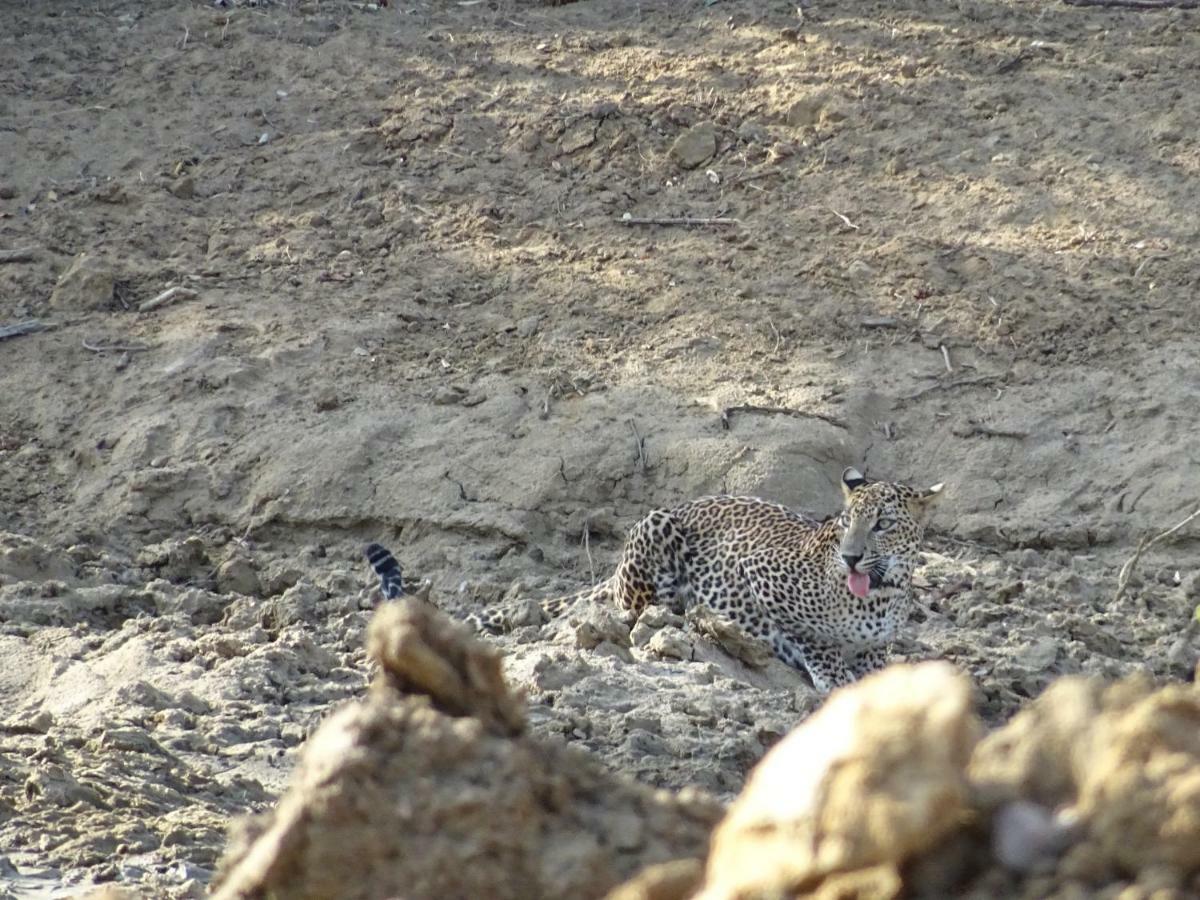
(852, 480)
(925, 499)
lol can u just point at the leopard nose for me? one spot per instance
(851, 560)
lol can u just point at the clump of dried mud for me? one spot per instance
(431, 786)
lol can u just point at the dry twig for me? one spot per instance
(587, 548)
(674, 220)
(1145, 5)
(778, 411)
(973, 428)
(1143, 545)
(20, 328)
(640, 443)
(167, 296)
(25, 254)
(950, 385)
(845, 219)
(114, 348)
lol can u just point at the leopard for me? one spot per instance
(828, 597)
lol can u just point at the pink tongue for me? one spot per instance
(858, 583)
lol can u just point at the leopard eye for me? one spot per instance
(883, 524)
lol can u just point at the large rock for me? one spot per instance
(1124, 756)
(88, 283)
(432, 788)
(695, 146)
(876, 776)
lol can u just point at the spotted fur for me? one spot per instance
(778, 575)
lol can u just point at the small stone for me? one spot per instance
(599, 626)
(670, 643)
(40, 723)
(804, 113)
(327, 399)
(87, 284)
(695, 146)
(582, 134)
(313, 220)
(448, 394)
(614, 651)
(1027, 837)
(528, 326)
(110, 192)
(1038, 656)
(753, 131)
(184, 188)
(859, 270)
(237, 575)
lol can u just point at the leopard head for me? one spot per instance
(882, 525)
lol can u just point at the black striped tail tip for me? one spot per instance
(391, 579)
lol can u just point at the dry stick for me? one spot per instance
(33, 325)
(587, 548)
(1143, 545)
(115, 348)
(167, 296)
(949, 385)
(778, 336)
(641, 445)
(1138, 4)
(946, 359)
(849, 224)
(779, 411)
(15, 256)
(975, 428)
(670, 220)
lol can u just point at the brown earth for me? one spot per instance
(964, 251)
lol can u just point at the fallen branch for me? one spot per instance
(1138, 4)
(674, 220)
(1143, 545)
(844, 219)
(640, 443)
(950, 385)
(16, 256)
(587, 548)
(114, 348)
(30, 327)
(779, 411)
(167, 296)
(974, 428)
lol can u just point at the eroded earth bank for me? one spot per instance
(410, 311)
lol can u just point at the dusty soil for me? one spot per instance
(964, 251)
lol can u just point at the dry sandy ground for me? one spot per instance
(964, 251)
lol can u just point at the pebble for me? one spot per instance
(695, 146)
(88, 283)
(237, 575)
(1027, 837)
(1039, 655)
(670, 643)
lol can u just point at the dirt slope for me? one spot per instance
(964, 251)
